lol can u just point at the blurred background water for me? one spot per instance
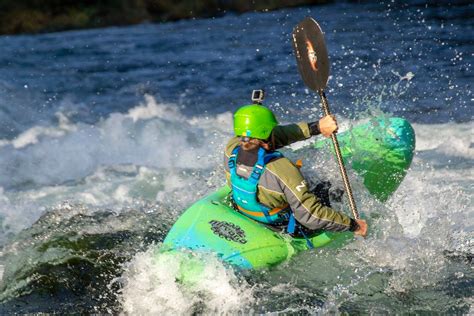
(107, 135)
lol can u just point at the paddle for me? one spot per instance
(313, 65)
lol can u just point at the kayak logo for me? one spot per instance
(228, 231)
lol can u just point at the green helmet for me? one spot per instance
(255, 121)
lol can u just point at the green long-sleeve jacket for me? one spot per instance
(283, 184)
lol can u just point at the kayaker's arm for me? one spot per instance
(306, 206)
(284, 135)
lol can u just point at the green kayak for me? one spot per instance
(380, 151)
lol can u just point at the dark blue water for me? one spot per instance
(106, 135)
(211, 65)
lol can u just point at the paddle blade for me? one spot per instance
(311, 54)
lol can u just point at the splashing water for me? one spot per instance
(418, 248)
(98, 159)
(153, 285)
(138, 155)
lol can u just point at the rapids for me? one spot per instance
(107, 135)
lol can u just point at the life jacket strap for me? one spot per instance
(244, 191)
(257, 172)
(271, 212)
(308, 241)
(231, 162)
(291, 224)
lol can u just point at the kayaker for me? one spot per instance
(267, 186)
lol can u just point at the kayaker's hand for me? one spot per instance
(328, 125)
(362, 230)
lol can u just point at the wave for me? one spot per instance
(151, 286)
(151, 134)
(146, 166)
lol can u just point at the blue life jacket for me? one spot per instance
(244, 191)
(244, 194)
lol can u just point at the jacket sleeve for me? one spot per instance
(284, 135)
(306, 206)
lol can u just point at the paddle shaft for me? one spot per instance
(340, 162)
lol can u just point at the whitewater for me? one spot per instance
(108, 135)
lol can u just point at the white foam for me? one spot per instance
(150, 153)
(154, 153)
(34, 134)
(151, 286)
(151, 134)
(456, 139)
(15, 214)
(429, 216)
(151, 109)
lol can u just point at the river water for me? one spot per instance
(107, 135)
